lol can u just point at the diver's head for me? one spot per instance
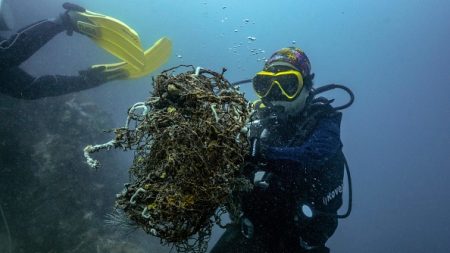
(285, 81)
(6, 17)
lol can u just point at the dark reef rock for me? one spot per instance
(53, 201)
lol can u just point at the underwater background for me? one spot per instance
(394, 55)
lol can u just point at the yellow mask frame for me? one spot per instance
(264, 81)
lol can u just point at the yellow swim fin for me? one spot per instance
(112, 35)
(155, 57)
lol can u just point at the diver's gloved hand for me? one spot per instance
(100, 74)
(259, 144)
(259, 149)
(262, 179)
(70, 17)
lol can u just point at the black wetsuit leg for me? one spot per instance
(280, 238)
(22, 45)
(265, 240)
(17, 83)
(232, 241)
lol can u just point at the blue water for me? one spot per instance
(394, 55)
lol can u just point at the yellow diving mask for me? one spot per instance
(289, 82)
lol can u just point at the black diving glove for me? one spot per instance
(259, 149)
(258, 135)
(100, 74)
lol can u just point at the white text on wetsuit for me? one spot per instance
(331, 195)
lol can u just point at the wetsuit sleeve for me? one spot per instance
(323, 144)
(19, 84)
(26, 42)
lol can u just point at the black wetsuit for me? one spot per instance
(18, 48)
(307, 166)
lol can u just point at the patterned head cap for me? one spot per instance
(293, 56)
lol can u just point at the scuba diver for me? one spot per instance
(296, 163)
(109, 33)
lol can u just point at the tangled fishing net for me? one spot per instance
(189, 151)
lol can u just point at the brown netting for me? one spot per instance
(189, 151)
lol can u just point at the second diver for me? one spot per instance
(125, 45)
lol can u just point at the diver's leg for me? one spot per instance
(320, 249)
(26, 42)
(315, 233)
(232, 241)
(229, 242)
(19, 84)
